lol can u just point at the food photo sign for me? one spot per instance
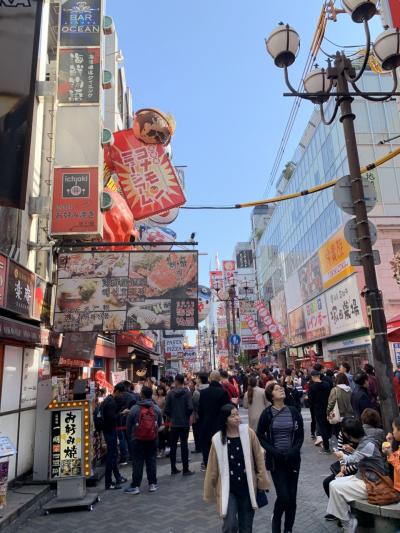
(121, 291)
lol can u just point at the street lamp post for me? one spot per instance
(213, 348)
(283, 45)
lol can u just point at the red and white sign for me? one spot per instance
(216, 278)
(273, 328)
(76, 202)
(255, 331)
(228, 268)
(146, 175)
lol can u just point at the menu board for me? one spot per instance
(79, 76)
(66, 443)
(121, 291)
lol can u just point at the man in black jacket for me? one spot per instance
(210, 403)
(178, 408)
(111, 413)
(360, 398)
(318, 397)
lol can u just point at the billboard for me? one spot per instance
(76, 206)
(19, 43)
(316, 318)
(297, 326)
(334, 260)
(146, 175)
(79, 76)
(244, 259)
(344, 307)
(121, 291)
(278, 311)
(310, 279)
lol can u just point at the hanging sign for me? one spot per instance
(79, 76)
(80, 22)
(268, 321)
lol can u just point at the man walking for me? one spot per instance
(143, 422)
(319, 396)
(178, 408)
(202, 383)
(210, 403)
(110, 415)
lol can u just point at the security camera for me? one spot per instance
(52, 243)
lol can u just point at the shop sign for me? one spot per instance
(146, 175)
(42, 301)
(66, 443)
(253, 326)
(165, 217)
(190, 355)
(76, 203)
(273, 328)
(80, 23)
(353, 342)
(244, 259)
(3, 279)
(117, 377)
(278, 310)
(79, 76)
(20, 290)
(30, 377)
(310, 279)
(122, 291)
(396, 349)
(228, 268)
(173, 346)
(79, 346)
(157, 234)
(216, 278)
(334, 260)
(297, 326)
(344, 307)
(316, 318)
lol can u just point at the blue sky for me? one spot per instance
(206, 63)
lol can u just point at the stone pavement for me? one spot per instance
(178, 506)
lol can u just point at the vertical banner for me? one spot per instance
(255, 331)
(268, 321)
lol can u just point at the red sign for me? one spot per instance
(3, 279)
(146, 175)
(268, 321)
(254, 330)
(75, 209)
(395, 12)
(216, 279)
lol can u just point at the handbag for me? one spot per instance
(334, 416)
(381, 491)
(262, 498)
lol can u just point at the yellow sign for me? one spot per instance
(334, 260)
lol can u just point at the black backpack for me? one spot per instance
(98, 415)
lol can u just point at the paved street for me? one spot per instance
(178, 505)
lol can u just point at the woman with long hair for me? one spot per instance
(255, 401)
(163, 435)
(340, 393)
(281, 433)
(235, 472)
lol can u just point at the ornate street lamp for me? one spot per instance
(320, 85)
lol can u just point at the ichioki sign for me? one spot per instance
(121, 291)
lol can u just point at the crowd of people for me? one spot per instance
(145, 421)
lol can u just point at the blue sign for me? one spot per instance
(235, 340)
(396, 348)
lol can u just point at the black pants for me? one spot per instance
(285, 480)
(144, 452)
(205, 450)
(326, 482)
(324, 429)
(111, 457)
(313, 421)
(181, 434)
(196, 436)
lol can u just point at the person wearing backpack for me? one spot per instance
(178, 408)
(143, 422)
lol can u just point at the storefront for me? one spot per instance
(135, 353)
(355, 348)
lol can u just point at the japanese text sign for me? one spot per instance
(268, 321)
(244, 259)
(344, 307)
(228, 268)
(20, 290)
(334, 260)
(254, 330)
(79, 76)
(122, 291)
(66, 443)
(146, 175)
(76, 202)
(316, 318)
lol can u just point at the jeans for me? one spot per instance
(240, 515)
(144, 451)
(111, 457)
(181, 434)
(285, 480)
(123, 446)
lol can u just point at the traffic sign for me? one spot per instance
(235, 340)
(343, 198)
(355, 258)
(350, 233)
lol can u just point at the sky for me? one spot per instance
(206, 63)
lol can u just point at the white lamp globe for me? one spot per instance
(387, 48)
(317, 82)
(360, 10)
(283, 45)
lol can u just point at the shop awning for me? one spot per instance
(18, 331)
(393, 322)
(393, 334)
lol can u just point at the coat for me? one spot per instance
(210, 403)
(257, 406)
(360, 400)
(179, 407)
(318, 396)
(216, 482)
(341, 393)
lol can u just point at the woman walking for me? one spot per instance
(281, 433)
(341, 393)
(163, 435)
(235, 471)
(255, 401)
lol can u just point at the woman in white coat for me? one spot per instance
(255, 401)
(235, 471)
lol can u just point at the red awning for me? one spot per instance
(394, 322)
(394, 334)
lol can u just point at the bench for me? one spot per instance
(386, 518)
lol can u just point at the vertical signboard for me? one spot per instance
(19, 44)
(79, 76)
(334, 260)
(80, 22)
(3, 279)
(20, 290)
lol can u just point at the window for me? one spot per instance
(396, 247)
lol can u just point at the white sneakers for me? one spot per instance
(318, 441)
(153, 488)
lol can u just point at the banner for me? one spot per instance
(268, 321)
(334, 260)
(297, 326)
(146, 175)
(121, 291)
(79, 76)
(216, 279)
(76, 206)
(316, 318)
(255, 331)
(344, 307)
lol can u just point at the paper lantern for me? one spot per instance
(151, 126)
